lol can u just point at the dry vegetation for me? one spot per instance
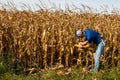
(43, 39)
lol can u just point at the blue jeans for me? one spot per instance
(98, 53)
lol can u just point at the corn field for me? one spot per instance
(43, 39)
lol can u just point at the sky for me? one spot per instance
(98, 5)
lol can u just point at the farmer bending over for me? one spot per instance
(92, 37)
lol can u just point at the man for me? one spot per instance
(92, 37)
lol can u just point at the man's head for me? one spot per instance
(78, 34)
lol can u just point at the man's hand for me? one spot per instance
(82, 45)
(78, 45)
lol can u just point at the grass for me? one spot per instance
(113, 74)
(51, 74)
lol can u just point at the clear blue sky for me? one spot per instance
(95, 4)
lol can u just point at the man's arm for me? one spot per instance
(85, 44)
